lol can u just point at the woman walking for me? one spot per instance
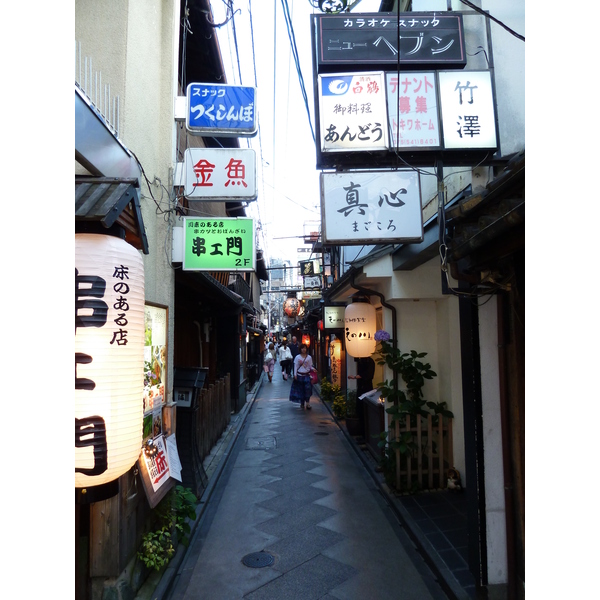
(269, 362)
(301, 385)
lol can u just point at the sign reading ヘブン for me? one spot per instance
(224, 110)
(219, 244)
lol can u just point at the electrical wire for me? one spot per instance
(492, 18)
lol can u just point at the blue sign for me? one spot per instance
(222, 110)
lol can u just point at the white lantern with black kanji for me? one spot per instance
(109, 358)
(360, 327)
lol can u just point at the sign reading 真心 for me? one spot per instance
(371, 207)
(223, 110)
(219, 244)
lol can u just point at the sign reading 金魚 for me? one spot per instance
(223, 110)
(218, 174)
(219, 244)
(371, 207)
(353, 112)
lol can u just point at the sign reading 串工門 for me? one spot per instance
(223, 110)
(219, 244)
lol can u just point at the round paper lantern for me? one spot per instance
(360, 325)
(109, 358)
(291, 306)
(306, 339)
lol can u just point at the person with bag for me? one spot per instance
(269, 361)
(301, 390)
(285, 360)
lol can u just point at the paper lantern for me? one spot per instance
(291, 306)
(360, 325)
(306, 339)
(109, 358)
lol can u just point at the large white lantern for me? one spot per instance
(109, 358)
(360, 327)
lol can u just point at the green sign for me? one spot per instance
(219, 244)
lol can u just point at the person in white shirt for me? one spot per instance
(285, 359)
(301, 390)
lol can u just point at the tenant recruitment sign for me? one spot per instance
(219, 244)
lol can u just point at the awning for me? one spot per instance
(110, 202)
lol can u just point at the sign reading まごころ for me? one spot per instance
(219, 244)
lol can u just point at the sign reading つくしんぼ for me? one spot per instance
(219, 244)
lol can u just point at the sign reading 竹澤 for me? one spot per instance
(223, 110)
(413, 38)
(353, 112)
(413, 110)
(467, 109)
(218, 174)
(371, 207)
(219, 244)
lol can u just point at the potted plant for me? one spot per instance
(408, 405)
(352, 421)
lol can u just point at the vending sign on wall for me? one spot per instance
(219, 244)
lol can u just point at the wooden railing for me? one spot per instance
(427, 469)
(213, 415)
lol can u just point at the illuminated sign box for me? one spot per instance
(220, 174)
(371, 207)
(222, 110)
(219, 244)
(333, 317)
(386, 39)
(353, 112)
(467, 109)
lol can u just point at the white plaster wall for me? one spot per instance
(492, 442)
(132, 44)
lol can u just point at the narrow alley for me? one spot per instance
(295, 515)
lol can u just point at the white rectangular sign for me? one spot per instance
(220, 174)
(467, 104)
(333, 317)
(413, 110)
(371, 207)
(353, 114)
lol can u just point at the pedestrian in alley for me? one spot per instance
(285, 359)
(269, 361)
(301, 385)
(294, 347)
(365, 370)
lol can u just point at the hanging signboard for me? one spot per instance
(413, 110)
(222, 110)
(382, 39)
(219, 244)
(333, 317)
(467, 108)
(220, 174)
(312, 282)
(353, 112)
(371, 207)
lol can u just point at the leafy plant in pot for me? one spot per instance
(407, 402)
(352, 421)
